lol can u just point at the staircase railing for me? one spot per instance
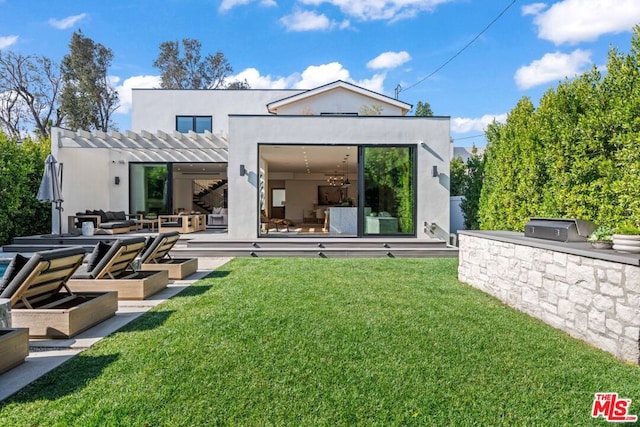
(208, 194)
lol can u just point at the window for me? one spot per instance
(198, 124)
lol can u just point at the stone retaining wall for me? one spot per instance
(595, 300)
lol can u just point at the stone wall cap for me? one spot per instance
(573, 248)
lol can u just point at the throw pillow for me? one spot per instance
(120, 216)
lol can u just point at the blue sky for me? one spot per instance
(377, 44)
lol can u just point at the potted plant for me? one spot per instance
(602, 237)
(627, 239)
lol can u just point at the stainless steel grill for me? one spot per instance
(559, 229)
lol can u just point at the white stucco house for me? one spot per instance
(345, 158)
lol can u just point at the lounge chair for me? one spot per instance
(156, 257)
(14, 347)
(277, 222)
(42, 301)
(109, 268)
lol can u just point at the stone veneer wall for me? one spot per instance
(595, 300)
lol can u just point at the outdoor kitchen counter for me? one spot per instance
(572, 248)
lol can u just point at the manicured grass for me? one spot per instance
(329, 342)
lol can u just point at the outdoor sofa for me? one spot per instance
(109, 222)
(109, 268)
(42, 301)
(156, 257)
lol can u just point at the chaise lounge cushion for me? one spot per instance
(28, 268)
(14, 267)
(103, 255)
(99, 251)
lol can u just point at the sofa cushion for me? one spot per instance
(99, 251)
(119, 216)
(12, 270)
(112, 225)
(110, 215)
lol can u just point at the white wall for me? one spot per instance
(156, 109)
(247, 132)
(337, 101)
(88, 179)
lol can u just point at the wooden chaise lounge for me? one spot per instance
(14, 347)
(109, 268)
(41, 300)
(156, 257)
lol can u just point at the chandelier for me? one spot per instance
(336, 180)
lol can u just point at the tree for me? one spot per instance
(29, 90)
(577, 155)
(423, 109)
(22, 165)
(88, 100)
(190, 71)
(239, 85)
(457, 170)
(473, 181)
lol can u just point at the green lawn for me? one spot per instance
(329, 342)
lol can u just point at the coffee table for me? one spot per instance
(150, 223)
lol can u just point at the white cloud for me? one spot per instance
(552, 67)
(256, 81)
(533, 9)
(68, 22)
(227, 5)
(313, 76)
(309, 21)
(464, 125)
(137, 82)
(7, 41)
(389, 10)
(318, 75)
(575, 21)
(389, 60)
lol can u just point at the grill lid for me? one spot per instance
(559, 229)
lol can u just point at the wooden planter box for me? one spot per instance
(177, 268)
(136, 286)
(14, 347)
(68, 318)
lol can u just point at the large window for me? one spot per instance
(198, 124)
(389, 190)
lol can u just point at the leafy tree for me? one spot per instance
(29, 88)
(577, 155)
(423, 109)
(88, 100)
(189, 70)
(239, 85)
(472, 188)
(21, 168)
(457, 171)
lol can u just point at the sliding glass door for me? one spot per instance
(388, 197)
(150, 190)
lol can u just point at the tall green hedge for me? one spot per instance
(577, 155)
(21, 168)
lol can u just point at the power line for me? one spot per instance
(468, 137)
(400, 89)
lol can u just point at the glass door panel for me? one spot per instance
(149, 188)
(389, 191)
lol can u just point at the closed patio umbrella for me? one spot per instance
(50, 187)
